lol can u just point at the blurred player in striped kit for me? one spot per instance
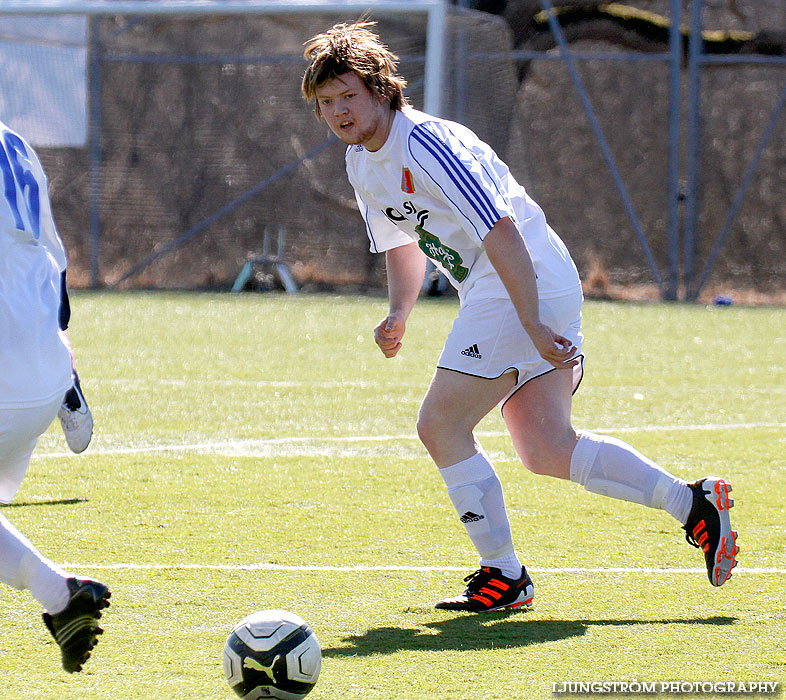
(427, 187)
(36, 373)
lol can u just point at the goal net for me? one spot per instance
(199, 141)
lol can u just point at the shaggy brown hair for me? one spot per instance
(352, 48)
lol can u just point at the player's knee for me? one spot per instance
(536, 464)
(434, 428)
(530, 458)
(545, 459)
(428, 428)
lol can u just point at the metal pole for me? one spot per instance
(207, 7)
(435, 57)
(675, 71)
(460, 81)
(695, 51)
(94, 130)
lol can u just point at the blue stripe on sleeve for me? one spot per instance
(447, 196)
(470, 189)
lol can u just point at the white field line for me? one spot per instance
(365, 384)
(263, 566)
(250, 383)
(249, 444)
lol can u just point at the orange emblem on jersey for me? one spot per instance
(407, 183)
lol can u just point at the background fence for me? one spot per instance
(657, 149)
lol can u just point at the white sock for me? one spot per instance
(610, 467)
(23, 567)
(476, 493)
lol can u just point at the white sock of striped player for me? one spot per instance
(476, 493)
(23, 567)
(610, 467)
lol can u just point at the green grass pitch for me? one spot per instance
(257, 451)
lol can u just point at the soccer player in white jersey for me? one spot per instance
(36, 372)
(429, 187)
(75, 415)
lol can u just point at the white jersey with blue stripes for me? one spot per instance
(437, 183)
(35, 360)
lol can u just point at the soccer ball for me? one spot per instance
(272, 654)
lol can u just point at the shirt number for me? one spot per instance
(16, 174)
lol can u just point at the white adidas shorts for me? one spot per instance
(20, 429)
(488, 340)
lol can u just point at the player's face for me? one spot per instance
(353, 112)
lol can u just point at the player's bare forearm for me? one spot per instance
(511, 259)
(406, 267)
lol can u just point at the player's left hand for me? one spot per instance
(554, 348)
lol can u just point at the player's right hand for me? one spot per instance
(553, 348)
(388, 334)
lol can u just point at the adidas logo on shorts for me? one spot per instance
(472, 351)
